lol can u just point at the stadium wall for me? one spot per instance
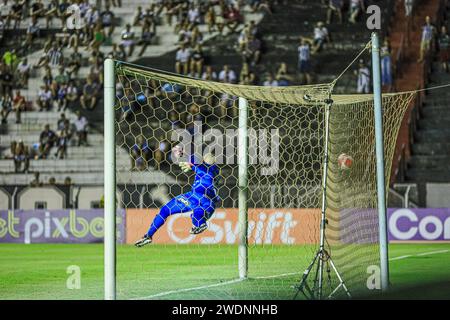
(266, 226)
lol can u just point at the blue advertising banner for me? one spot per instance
(56, 226)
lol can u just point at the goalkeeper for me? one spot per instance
(201, 200)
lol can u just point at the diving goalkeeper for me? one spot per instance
(201, 200)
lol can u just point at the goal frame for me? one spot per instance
(110, 177)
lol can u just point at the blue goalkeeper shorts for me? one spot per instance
(201, 206)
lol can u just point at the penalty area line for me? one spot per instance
(219, 284)
(166, 293)
(419, 254)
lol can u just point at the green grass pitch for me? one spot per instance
(39, 271)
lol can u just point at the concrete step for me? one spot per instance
(430, 162)
(431, 148)
(427, 175)
(30, 138)
(433, 135)
(93, 178)
(65, 165)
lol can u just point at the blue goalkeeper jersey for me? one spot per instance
(204, 180)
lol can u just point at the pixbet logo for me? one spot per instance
(405, 224)
(52, 227)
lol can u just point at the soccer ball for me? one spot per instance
(345, 161)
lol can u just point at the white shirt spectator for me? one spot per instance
(183, 55)
(23, 67)
(320, 33)
(227, 76)
(212, 76)
(44, 95)
(81, 124)
(303, 52)
(193, 15)
(270, 83)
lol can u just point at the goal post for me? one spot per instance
(379, 146)
(243, 188)
(109, 182)
(281, 185)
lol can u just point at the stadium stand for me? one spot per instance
(279, 27)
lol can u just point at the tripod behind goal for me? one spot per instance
(322, 258)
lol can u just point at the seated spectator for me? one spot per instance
(21, 157)
(140, 154)
(51, 12)
(283, 76)
(128, 42)
(321, 36)
(19, 105)
(356, 7)
(55, 55)
(61, 122)
(210, 19)
(37, 9)
(47, 140)
(61, 97)
(10, 58)
(227, 75)
(428, 33)
(363, 75)
(209, 74)
(117, 53)
(444, 48)
(252, 50)
(138, 16)
(182, 58)
(62, 143)
(107, 20)
(74, 63)
(7, 80)
(62, 78)
(304, 66)
(197, 60)
(23, 70)
(270, 81)
(36, 182)
(45, 99)
(146, 36)
(16, 13)
(48, 77)
(88, 98)
(98, 37)
(71, 94)
(33, 32)
(6, 107)
(261, 5)
(81, 129)
(386, 66)
(335, 7)
(232, 17)
(61, 11)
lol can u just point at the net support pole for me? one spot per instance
(110, 183)
(379, 146)
(243, 188)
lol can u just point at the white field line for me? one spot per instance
(165, 293)
(219, 284)
(419, 254)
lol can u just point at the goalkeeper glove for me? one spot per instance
(185, 166)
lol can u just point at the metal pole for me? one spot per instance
(110, 182)
(324, 196)
(243, 188)
(379, 146)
